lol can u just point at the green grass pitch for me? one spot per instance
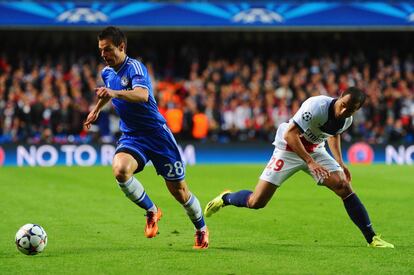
(93, 229)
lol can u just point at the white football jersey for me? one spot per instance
(316, 120)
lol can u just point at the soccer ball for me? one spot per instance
(31, 239)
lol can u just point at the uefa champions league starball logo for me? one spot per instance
(82, 14)
(259, 15)
(307, 116)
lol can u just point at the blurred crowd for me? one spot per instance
(221, 99)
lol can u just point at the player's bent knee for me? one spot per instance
(343, 188)
(256, 204)
(347, 189)
(121, 173)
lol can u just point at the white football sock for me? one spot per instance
(194, 212)
(134, 190)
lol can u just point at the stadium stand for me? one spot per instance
(47, 81)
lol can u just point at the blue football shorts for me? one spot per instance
(159, 147)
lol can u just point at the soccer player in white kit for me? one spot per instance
(300, 145)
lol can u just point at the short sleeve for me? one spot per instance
(307, 114)
(347, 124)
(137, 73)
(104, 75)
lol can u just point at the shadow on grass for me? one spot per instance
(210, 248)
(17, 254)
(315, 245)
(85, 251)
(180, 249)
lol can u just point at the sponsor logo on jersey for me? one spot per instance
(313, 138)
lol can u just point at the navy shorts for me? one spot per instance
(160, 148)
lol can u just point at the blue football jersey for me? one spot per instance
(135, 118)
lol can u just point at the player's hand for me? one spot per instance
(103, 92)
(347, 173)
(92, 116)
(318, 170)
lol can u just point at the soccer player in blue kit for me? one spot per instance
(145, 135)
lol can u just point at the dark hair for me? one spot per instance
(357, 95)
(114, 34)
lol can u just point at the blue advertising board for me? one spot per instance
(199, 15)
(197, 153)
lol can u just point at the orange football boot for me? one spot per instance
(201, 239)
(151, 228)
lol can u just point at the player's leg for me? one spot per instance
(165, 156)
(124, 165)
(340, 186)
(191, 204)
(244, 198)
(280, 167)
(354, 207)
(257, 199)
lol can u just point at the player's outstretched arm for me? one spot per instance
(138, 94)
(292, 137)
(93, 115)
(334, 144)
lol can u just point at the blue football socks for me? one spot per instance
(359, 216)
(238, 199)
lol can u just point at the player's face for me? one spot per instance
(112, 55)
(346, 107)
